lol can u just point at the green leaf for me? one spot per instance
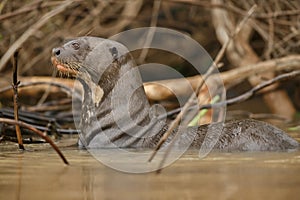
(194, 122)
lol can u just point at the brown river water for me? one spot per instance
(38, 173)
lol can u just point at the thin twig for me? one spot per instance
(221, 53)
(41, 134)
(31, 31)
(247, 95)
(243, 97)
(15, 89)
(26, 9)
(150, 35)
(270, 41)
(47, 91)
(63, 87)
(206, 4)
(238, 10)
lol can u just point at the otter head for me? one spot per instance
(68, 58)
(90, 55)
(96, 62)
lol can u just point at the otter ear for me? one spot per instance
(114, 52)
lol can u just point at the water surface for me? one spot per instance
(38, 173)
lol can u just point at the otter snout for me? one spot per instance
(56, 51)
(64, 61)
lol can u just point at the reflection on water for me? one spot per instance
(39, 174)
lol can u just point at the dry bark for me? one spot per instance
(165, 90)
(240, 53)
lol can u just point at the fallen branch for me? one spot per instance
(247, 95)
(163, 90)
(243, 97)
(41, 84)
(41, 134)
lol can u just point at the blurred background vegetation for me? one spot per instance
(274, 33)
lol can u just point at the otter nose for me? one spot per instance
(56, 51)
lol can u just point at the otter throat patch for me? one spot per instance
(97, 93)
(96, 90)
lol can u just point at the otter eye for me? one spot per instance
(75, 45)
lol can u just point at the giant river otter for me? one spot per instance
(115, 110)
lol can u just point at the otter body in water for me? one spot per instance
(115, 110)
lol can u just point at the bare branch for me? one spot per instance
(16, 106)
(31, 31)
(41, 134)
